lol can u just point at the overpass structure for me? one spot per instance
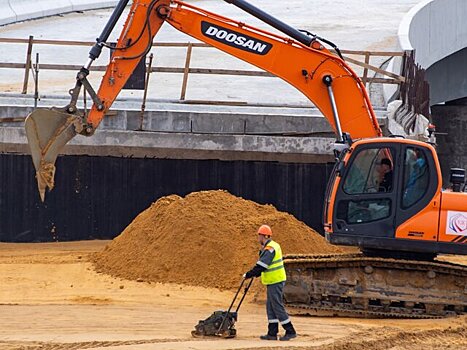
(437, 31)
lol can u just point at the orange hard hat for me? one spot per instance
(265, 230)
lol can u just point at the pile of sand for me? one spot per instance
(205, 239)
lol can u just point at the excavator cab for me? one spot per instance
(384, 196)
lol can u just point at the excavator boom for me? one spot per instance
(300, 60)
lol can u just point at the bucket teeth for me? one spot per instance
(48, 131)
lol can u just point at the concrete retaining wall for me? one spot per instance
(20, 10)
(435, 29)
(192, 135)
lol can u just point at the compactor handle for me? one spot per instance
(233, 301)
(247, 288)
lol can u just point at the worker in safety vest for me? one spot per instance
(271, 269)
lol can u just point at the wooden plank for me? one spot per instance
(230, 72)
(12, 119)
(91, 43)
(383, 81)
(177, 44)
(207, 71)
(28, 65)
(218, 103)
(186, 70)
(145, 94)
(13, 65)
(64, 67)
(376, 69)
(373, 53)
(365, 71)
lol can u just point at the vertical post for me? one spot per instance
(365, 71)
(36, 82)
(403, 85)
(143, 105)
(28, 65)
(186, 70)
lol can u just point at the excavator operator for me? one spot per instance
(385, 175)
(271, 269)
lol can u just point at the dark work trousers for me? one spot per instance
(274, 304)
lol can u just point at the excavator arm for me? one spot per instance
(299, 59)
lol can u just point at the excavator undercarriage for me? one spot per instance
(359, 286)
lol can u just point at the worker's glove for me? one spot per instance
(247, 275)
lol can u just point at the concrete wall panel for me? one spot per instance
(81, 5)
(53, 7)
(461, 30)
(435, 29)
(443, 26)
(7, 15)
(26, 9)
(21, 10)
(448, 78)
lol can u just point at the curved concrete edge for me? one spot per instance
(22, 10)
(7, 14)
(404, 26)
(82, 5)
(435, 29)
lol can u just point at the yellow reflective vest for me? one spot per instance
(275, 272)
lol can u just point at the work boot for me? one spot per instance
(268, 337)
(289, 332)
(273, 329)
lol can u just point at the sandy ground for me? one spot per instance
(51, 298)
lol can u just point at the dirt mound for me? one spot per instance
(206, 239)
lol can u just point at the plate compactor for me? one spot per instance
(222, 323)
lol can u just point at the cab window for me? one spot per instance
(416, 176)
(363, 211)
(370, 172)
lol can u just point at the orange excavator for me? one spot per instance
(384, 196)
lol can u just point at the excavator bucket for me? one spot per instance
(48, 130)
